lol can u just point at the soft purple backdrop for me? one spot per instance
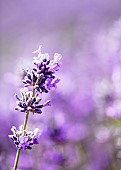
(80, 128)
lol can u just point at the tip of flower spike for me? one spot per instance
(57, 57)
(38, 51)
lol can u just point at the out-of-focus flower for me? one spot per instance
(59, 158)
(114, 110)
(23, 139)
(56, 134)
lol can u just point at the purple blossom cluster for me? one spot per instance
(29, 102)
(42, 77)
(24, 139)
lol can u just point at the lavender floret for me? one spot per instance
(23, 139)
(30, 103)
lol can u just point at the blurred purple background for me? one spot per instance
(81, 127)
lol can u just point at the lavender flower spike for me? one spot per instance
(38, 51)
(23, 139)
(37, 80)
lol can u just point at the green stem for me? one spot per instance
(18, 151)
(16, 159)
(24, 128)
(26, 119)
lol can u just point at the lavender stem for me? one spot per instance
(26, 119)
(16, 159)
(18, 151)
